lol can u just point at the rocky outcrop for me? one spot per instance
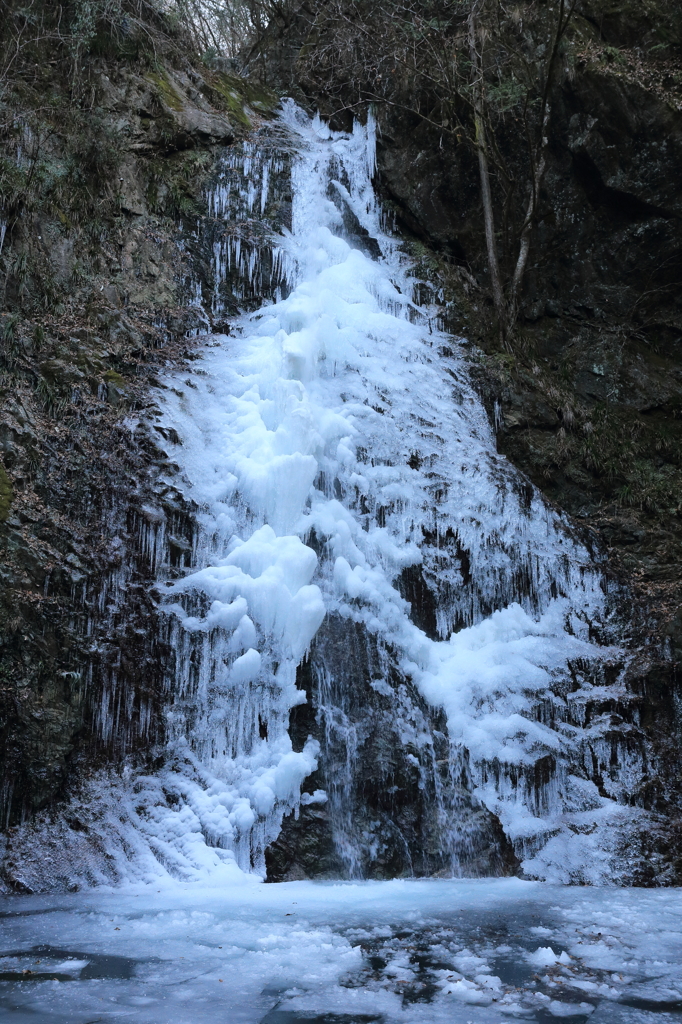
(101, 197)
(80, 661)
(398, 801)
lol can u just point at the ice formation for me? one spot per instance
(400, 952)
(330, 442)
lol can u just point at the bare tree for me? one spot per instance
(468, 69)
(227, 27)
(481, 141)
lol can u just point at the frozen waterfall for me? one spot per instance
(342, 463)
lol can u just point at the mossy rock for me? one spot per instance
(112, 377)
(168, 94)
(6, 494)
(61, 372)
(233, 95)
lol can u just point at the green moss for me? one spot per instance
(6, 494)
(224, 96)
(112, 377)
(168, 94)
(233, 95)
(258, 96)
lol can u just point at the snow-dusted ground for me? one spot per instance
(414, 952)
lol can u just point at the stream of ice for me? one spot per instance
(331, 443)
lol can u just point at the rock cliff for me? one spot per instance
(102, 203)
(105, 245)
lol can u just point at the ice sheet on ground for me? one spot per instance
(402, 952)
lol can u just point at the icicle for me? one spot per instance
(264, 187)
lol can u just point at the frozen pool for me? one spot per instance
(476, 952)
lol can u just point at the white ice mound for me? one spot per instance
(546, 957)
(264, 580)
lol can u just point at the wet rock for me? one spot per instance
(399, 801)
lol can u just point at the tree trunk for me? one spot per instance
(539, 163)
(524, 240)
(484, 173)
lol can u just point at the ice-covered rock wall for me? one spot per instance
(346, 472)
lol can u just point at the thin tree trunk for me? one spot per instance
(526, 231)
(540, 163)
(484, 172)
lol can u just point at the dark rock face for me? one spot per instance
(398, 803)
(81, 659)
(96, 301)
(590, 407)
